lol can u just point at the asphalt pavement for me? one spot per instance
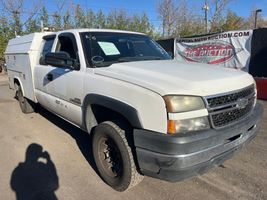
(66, 170)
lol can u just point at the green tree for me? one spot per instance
(90, 19)
(44, 17)
(5, 34)
(67, 23)
(13, 9)
(3, 44)
(121, 20)
(232, 22)
(145, 26)
(100, 19)
(134, 23)
(16, 24)
(141, 24)
(5, 29)
(57, 21)
(31, 26)
(79, 17)
(111, 20)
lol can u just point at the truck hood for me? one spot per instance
(175, 77)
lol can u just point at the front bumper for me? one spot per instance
(181, 156)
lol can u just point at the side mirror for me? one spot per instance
(60, 59)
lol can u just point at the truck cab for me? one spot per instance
(147, 114)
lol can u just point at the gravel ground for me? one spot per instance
(69, 172)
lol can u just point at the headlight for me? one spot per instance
(177, 104)
(186, 125)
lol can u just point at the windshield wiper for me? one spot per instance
(126, 59)
(152, 58)
(139, 58)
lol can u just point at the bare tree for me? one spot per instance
(168, 13)
(178, 19)
(15, 8)
(63, 15)
(217, 9)
(261, 22)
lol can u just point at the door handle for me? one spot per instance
(49, 77)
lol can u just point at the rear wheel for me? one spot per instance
(26, 105)
(113, 157)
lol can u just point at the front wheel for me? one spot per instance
(113, 157)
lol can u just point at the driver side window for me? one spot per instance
(67, 43)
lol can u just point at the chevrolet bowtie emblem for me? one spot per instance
(241, 103)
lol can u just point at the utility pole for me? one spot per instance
(163, 28)
(42, 25)
(256, 17)
(206, 9)
(16, 22)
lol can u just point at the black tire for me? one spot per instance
(26, 105)
(113, 157)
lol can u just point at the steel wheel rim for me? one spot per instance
(110, 157)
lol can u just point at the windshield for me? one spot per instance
(103, 49)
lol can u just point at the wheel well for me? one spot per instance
(102, 114)
(98, 108)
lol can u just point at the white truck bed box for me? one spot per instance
(22, 54)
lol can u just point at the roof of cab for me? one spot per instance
(99, 30)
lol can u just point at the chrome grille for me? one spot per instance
(229, 98)
(229, 108)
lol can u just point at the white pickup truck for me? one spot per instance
(147, 114)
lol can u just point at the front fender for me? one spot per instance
(126, 110)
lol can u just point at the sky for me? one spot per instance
(240, 7)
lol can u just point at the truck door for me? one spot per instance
(64, 86)
(41, 84)
(67, 84)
